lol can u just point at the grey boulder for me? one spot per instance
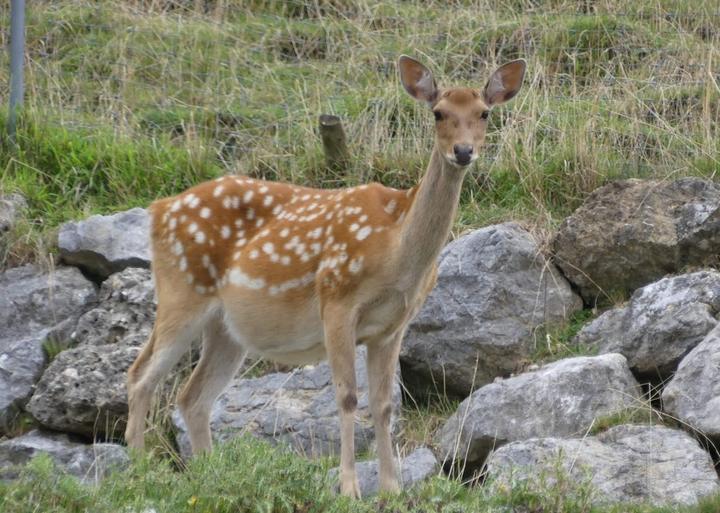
(560, 399)
(11, 207)
(89, 463)
(632, 232)
(125, 313)
(295, 408)
(626, 463)
(660, 324)
(416, 467)
(35, 307)
(84, 391)
(494, 292)
(102, 245)
(693, 394)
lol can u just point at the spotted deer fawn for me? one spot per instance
(296, 274)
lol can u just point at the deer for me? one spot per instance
(297, 274)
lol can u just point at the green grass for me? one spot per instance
(250, 476)
(559, 341)
(131, 101)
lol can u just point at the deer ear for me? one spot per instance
(417, 79)
(505, 83)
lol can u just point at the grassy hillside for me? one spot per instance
(251, 477)
(128, 101)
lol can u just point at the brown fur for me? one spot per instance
(297, 274)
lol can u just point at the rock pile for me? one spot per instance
(66, 342)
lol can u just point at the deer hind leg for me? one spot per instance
(172, 334)
(382, 358)
(340, 346)
(220, 359)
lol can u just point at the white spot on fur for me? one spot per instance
(205, 213)
(175, 206)
(225, 232)
(240, 279)
(200, 237)
(303, 281)
(218, 191)
(363, 233)
(248, 196)
(354, 227)
(356, 264)
(267, 201)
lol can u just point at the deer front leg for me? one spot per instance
(340, 346)
(382, 357)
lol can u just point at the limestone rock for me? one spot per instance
(693, 394)
(90, 463)
(632, 232)
(125, 313)
(560, 399)
(84, 391)
(35, 306)
(11, 206)
(660, 324)
(627, 463)
(494, 291)
(102, 245)
(416, 467)
(296, 408)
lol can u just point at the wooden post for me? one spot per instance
(334, 141)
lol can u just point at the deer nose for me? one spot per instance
(463, 153)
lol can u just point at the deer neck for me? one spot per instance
(430, 217)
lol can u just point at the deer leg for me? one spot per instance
(170, 339)
(220, 359)
(340, 346)
(382, 357)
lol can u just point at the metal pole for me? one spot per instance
(17, 55)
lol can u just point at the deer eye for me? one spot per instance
(485, 114)
(438, 115)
